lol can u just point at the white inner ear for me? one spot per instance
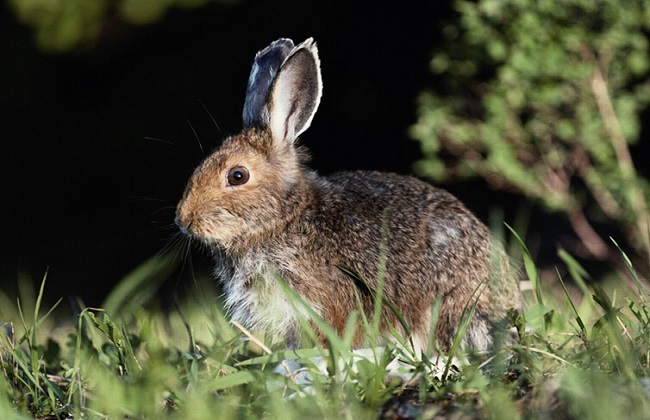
(295, 94)
(284, 108)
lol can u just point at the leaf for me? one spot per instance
(139, 286)
(581, 324)
(286, 355)
(641, 316)
(464, 324)
(630, 267)
(577, 272)
(531, 269)
(234, 379)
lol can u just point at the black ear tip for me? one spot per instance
(301, 61)
(265, 67)
(281, 44)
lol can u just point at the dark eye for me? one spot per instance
(238, 175)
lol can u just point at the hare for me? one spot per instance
(265, 216)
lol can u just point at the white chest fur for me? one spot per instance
(255, 298)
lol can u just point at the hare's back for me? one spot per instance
(416, 213)
(434, 243)
(409, 197)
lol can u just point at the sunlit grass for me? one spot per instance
(584, 354)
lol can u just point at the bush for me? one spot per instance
(543, 99)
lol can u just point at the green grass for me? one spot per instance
(581, 351)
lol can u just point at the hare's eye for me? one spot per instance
(238, 175)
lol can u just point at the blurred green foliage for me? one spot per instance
(66, 25)
(543, 99)
(574, 355)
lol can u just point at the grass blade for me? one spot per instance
(574, 311)
(531, 270)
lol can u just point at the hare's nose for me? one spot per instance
(184, 224)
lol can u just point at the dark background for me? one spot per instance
(97, 145)
(85, 189)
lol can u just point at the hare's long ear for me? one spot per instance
(295, 93)
(266, 65)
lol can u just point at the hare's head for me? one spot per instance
(247, 187)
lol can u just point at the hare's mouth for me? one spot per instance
(184, 227)
(195, 232)
(189, 225)
(216, 228)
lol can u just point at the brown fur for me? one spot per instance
(307, 228)
(290, 222)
